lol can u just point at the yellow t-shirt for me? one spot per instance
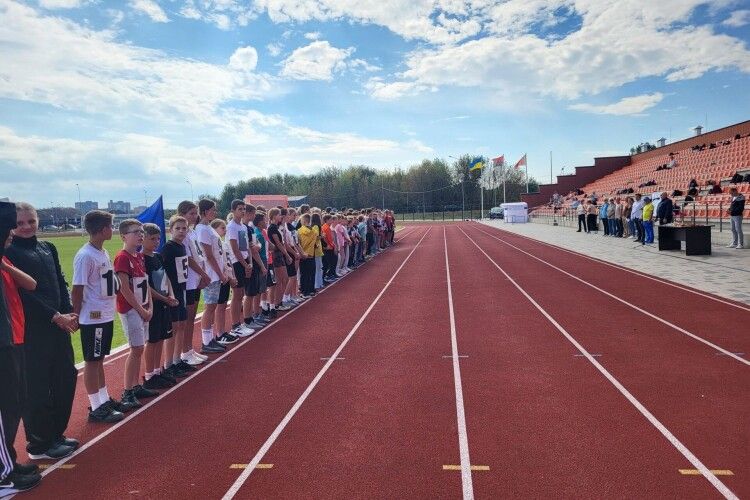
(318, 244)
(648, 211)
(307, 240)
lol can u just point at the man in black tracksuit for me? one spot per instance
(50, 370)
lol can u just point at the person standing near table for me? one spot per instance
(51, 375)
(736, 211)
(581, 213)
(636, 215)
(665, 210)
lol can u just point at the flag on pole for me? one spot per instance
(520, 163)
(155, 215)
(498, 161)
(476, 164)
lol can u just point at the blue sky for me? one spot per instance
(126, 96)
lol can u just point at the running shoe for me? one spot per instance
(199, 356)
(155, 382)
(69, 442)
(242, 331)
(282, 307)
(191, 360)
(227, 338)
(54, 452)
(143, 393)
(186, 367)
(18, 483)
(26, 469)
(117, 406)
(129, 399)
(168, 380)
(105, 414)
(215, 344)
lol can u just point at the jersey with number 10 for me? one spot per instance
(93, 271)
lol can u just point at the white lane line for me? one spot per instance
(290, 414)
(710, 476)
(214, 362)
(628, 270)
(463, 436)
(643, 311)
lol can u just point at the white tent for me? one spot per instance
(515, 212)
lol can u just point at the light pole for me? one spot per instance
(145, 196)
(192, 195)
(463, 199)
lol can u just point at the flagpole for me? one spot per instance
(504, 176)
(527, 174)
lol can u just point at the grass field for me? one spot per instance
(67, 246)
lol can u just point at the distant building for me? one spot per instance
(84, 207)
(119, 207)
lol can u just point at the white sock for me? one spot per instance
(148, 375)
(94, 400)
(103, 395)
(263, 304)
(285, 298)
(272, 306)
(207, 336)
(167, 363)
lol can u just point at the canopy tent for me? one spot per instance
(515, 212)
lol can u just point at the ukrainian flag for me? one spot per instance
(476, 164)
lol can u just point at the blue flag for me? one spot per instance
(155, 215)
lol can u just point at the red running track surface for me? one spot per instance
(382, 421)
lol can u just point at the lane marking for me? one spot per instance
(463, 436)
(643, 311)
(716, 472)
(244, 466)
(582, 356)
(459, 355)
(622, 268)
(65, 467)
(735, 353)
(473, 467)
(335, 359)
(715, 481)
(290, 414)
(131, 415)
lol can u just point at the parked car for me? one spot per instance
(496, 213)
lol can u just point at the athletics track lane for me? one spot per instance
(702, 398)
(382, 420)
(184, 445)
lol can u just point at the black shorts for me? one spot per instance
(193, 297)
(291, 270)
(239, 274)
(160, 325)
(179, 312)
(278, 259)
(224, 293)
(252, 284)
(96, 340)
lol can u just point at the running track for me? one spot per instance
(463, 362)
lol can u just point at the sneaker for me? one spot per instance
(167, 380)
(274, 314)
(226, 339)
(55, 452)
(209, 349)
(739, 247)
(69, 442)
(17, 483)
(192, 360)
(282, 307)
(117, 406)
(199, 356)
(143, 393)
(105, 414)
(216, 345)
(155, 382)
(242, 331)
(731, 245)
(186, 367)
(261, 320)
(129, 400)
(26, 469)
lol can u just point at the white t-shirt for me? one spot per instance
(93, 270)
(208, 236)
(194, 250)
(227, 258)
(238, 231)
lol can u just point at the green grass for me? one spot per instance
(67, 247)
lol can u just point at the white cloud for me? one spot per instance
(151, 9)
(62, 4)
(244, 58)
(274, 49)
(317, 61)
(737, 19)
(224, 14)
(314, 35)
(626, 106)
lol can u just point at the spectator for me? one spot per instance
(611, 217)
(637, 216)
(736, 210)
(626, 222)
(736, 178)
(603, 216)
(716, 189)
(664, 212)
(648, 224)
(693, 183)
(581, 213)
(591, 217)
(619, 206)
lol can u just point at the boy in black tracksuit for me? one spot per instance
(50, 370)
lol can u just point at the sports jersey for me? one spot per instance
(93, 270)
(135, 267)
(263, 246)
(208, 236)
(238, 231)
(157, 274)
(175, 261)
(194, 250)
(227, 258)
(15, 307)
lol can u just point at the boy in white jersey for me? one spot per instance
(95, 286)
(239, 247)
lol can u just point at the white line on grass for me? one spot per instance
(627, 270)
(716, 482)
(290, 414)
(643, 311)
(463, 436)
(53, 467)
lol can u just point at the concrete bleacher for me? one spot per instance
(718, 164)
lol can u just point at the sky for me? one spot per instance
(132, 99)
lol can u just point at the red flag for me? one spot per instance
(499, 160)
(520, 163)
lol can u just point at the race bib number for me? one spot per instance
(159, 278)
(198, 250)
(109, 284)
(181, 264)
(140, 289)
